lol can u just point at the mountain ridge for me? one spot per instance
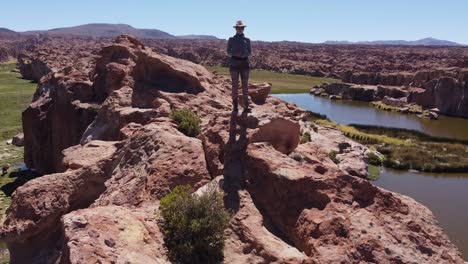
(108, 30)
(420, 42)
(112, 30)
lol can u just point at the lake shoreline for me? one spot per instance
(443, 193)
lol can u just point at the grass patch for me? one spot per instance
(420, 152)
(282, 82)
(405, 149)
(363, 137)
(413, 109)
(187, 122)
(193, 226)
(15, 96)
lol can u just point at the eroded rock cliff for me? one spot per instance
(114, 152)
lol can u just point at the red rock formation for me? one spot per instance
(102, 207)
(62, 108)
(448, 94)
(259, 92)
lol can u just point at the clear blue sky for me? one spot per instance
(306, 20)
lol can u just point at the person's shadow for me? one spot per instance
(234, 156)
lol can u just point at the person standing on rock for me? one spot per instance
(239, 49)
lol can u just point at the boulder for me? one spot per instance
(18, 140)
(282, 134)
(31, 228)
(400, 102)
(151, 163)
(365, 93)
(78, 156)
(259, 92)
(391, 91)
(112, 234)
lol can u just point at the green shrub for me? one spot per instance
(374, 159)
(187, 122)
(373, 172)
(305, 138)
(332, 156)
(193, 226)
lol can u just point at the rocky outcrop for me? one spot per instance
(448, 94)
(372, 78)
(441, 88)
(365, 93)
(293, 203)
(397, 102)
(392, 65)
(111, 234)
(32, 68)
(342, 214)
(63, 107)
(41, 55)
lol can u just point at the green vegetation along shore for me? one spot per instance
(282, 82)
(406, 149)
(15, 95)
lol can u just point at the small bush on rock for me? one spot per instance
(374, 159)
(306, 138)
(193, 226)
(187, 122)
(332, 156)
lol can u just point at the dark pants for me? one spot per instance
(244, 75)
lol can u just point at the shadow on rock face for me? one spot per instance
(236, 150)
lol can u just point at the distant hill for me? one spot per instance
(196, 37)
(7, 33)
(105, 30)
(421, 42)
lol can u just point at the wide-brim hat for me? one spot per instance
(240, 24)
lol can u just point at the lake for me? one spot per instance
(352, 112)
(445, 194)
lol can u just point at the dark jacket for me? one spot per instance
(239, 46)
